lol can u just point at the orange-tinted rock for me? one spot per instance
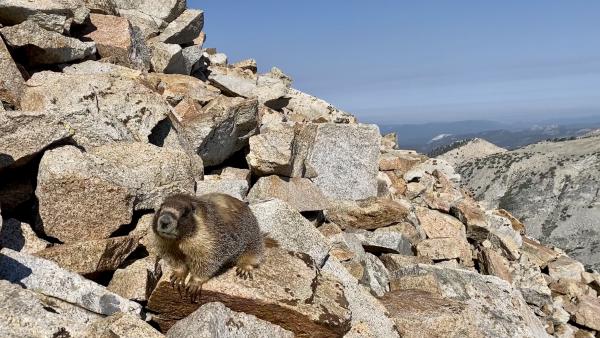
(287, 290)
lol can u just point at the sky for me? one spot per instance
(423, 61)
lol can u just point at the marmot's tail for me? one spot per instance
(269, 242)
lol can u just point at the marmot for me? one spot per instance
(202, 235)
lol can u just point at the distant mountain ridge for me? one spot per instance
(427, 137)
(553, 187)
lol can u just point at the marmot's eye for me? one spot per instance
(186, 212)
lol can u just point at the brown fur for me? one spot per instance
(214, 231)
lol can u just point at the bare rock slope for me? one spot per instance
(118, 104)
(552, 187)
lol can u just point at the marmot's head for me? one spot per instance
(176, 217)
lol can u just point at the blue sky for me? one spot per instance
(421, 61)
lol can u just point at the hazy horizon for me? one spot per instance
(409, 62)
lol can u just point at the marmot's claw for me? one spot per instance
(243, 273)
(194, 289)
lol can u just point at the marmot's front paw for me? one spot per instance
(194, 288)
(178, 279)
(244, 272)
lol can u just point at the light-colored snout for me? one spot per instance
(167, 225)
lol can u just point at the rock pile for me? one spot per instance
(109, 106)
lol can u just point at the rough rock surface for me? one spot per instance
(215, 319)
(24, 134)
(492, 315)
(100, 108)
(166, 58)
(184, 29)
(45, 47)
(287, 226)
(122, 325)
(219, 129)
(25, 313)
(300, 193)
(11, 80)
(87, 257)
(47, 278)
(374, 241)
(137, 280)
(51, 15)
(348, 172)
(19, 236)
(117, 41)
(551, 187)
(366, 214)
(287, 290)
(367, 312)
(99, 189)
(233, 187)
(167, 10)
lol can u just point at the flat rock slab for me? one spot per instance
(122, 325)
(300, 193)
(288, 227)
(167, 10)
(496, 308)
(566, 268)
(24, 134)
(175, 87)
(100, 108)
(43, 47)
(418, 313)
(215, 319)
(368, 214)
(46, 277)
(587, 312)
(235, 188)
(287, 290)
(185, 28)
(436, 224)
(53, 15)
(313, 109)
(91, 256)
(25, 313)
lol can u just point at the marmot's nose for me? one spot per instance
(165, 221)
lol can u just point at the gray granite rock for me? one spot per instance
(184, 29)
(166, 58)
(100, 108)
(43, 47)
(25, 134)
(47, 278)
(367, 312)
(219, 129)
(11, 80)
(216, 320)
(300, 193)
(343, 160)
(26, 313)
(287, 226)
(495, 307)
(52, 15)
(99, 189)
